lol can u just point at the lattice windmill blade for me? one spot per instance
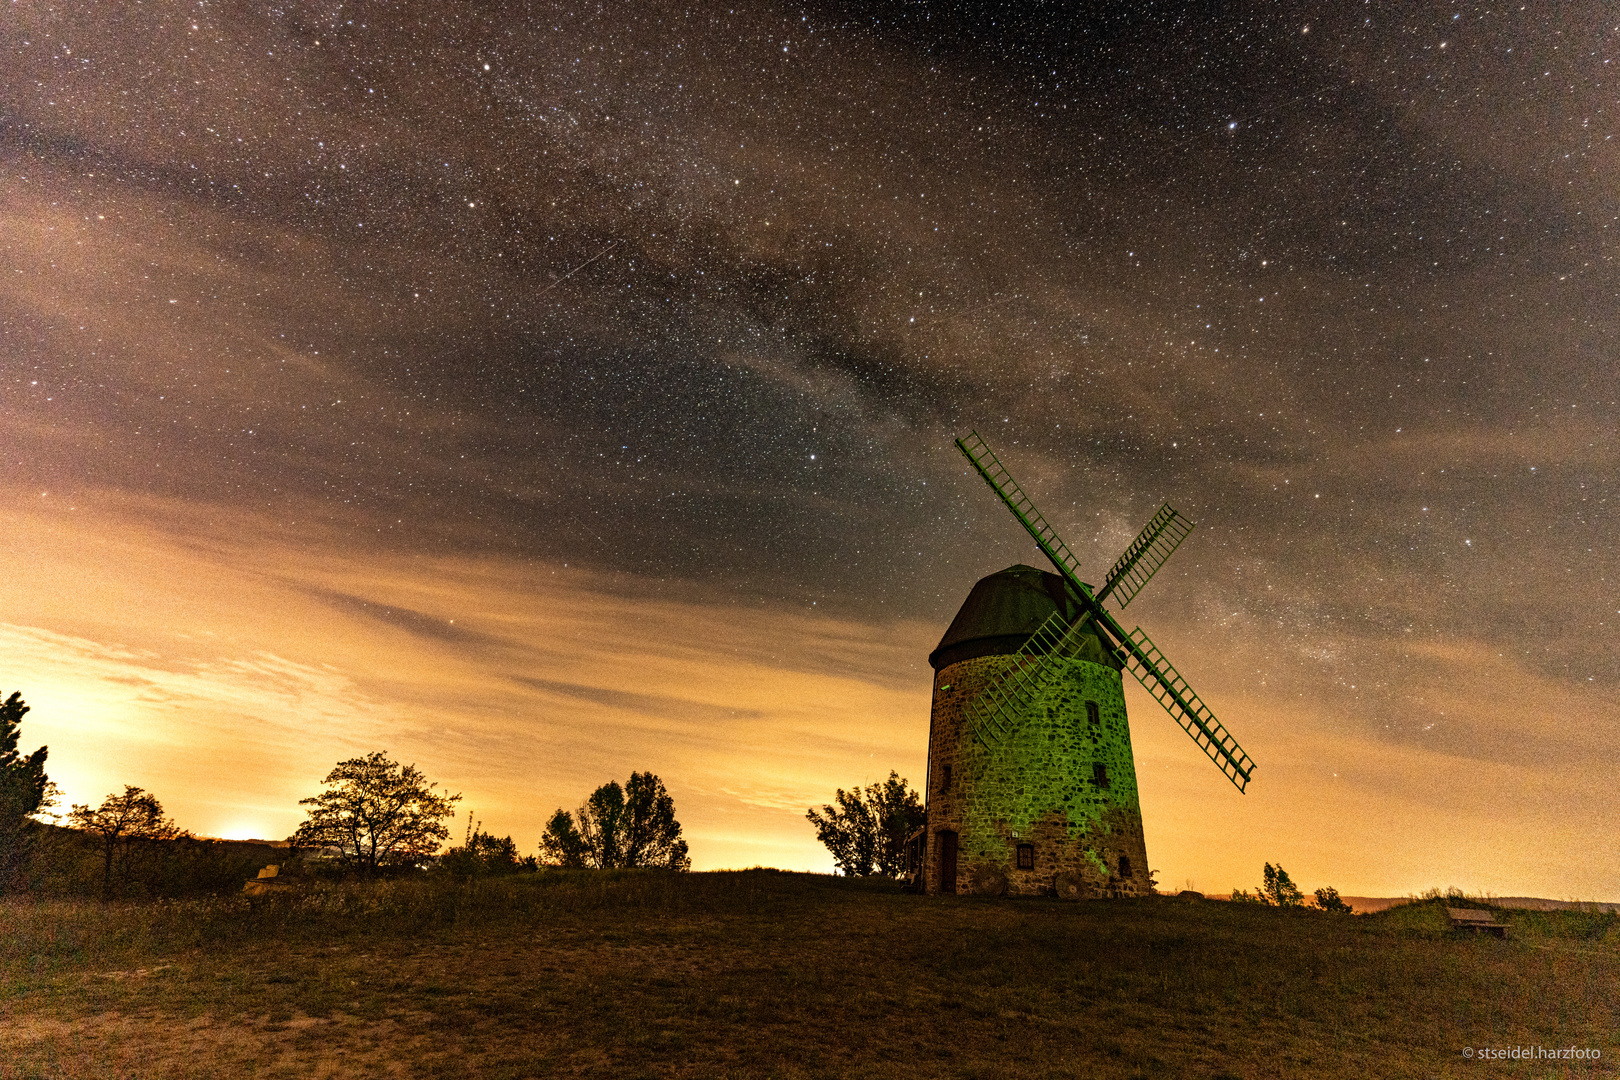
(1170, 690)
(1149, 551)
(1004, 701)
(1147, 664)
(1000, 480)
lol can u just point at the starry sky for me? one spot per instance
(540, 392)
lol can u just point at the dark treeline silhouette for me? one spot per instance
(124, 849)
(373, 818)
(66, 862)
(484, 854)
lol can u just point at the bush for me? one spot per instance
(484, 855)
(1327, 898)
(1279, 889)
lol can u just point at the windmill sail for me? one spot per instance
(1046, 538)
(1158, 540)
(995, 713)
(1147, 664)
(1170, 690)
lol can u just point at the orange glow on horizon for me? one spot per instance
(228, 677)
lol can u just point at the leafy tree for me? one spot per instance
(24, 789)
(866, 832)
(1327, 899)
(849, 831)
(496, 854)
(46, 813)
(122, 824)
(619, 827)
(1279, 889)
(561, 844)
(899, 814)
(376, 813)
(649, 835)
(601, 822)
(25, 781)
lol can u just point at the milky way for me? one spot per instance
(691, 300)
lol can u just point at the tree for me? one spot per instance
(619, 827)
(649, 835)
(1327, 899)
(24, 789)
(1279, 889)
(600, 825)
(849, 831)
(561, 845)
(123, 824)
(376, 813)
(866, 832)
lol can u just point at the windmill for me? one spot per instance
(1031, 782)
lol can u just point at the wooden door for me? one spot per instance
(947, 862)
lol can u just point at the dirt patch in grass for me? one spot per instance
(778, 975)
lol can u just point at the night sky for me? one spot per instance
(542, 392)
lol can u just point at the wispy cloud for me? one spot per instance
(522, 686)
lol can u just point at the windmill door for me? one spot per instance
(947, 862)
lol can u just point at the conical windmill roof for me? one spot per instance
(1003, 610)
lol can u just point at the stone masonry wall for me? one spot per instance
(1037, 787)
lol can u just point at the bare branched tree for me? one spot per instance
(377, 813)
(123, 824)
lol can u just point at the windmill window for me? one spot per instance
(945, 784)
(1093, 713)
(1026, 856)
(1124, 866)
(1099, 774)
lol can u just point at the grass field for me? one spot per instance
(759, 973)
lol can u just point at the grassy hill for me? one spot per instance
(760, 973)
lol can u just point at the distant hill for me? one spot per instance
(1364, 905)
(1530, 903)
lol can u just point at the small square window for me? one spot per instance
(1026, 856)
(1099, 774)
(1093, 712)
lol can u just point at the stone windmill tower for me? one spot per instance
(1031, 782)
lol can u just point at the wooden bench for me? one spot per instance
(1475, 921)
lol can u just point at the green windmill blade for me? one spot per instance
(1000, 480)
(1170, 690)
(1134, 569)
(1146, 662)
